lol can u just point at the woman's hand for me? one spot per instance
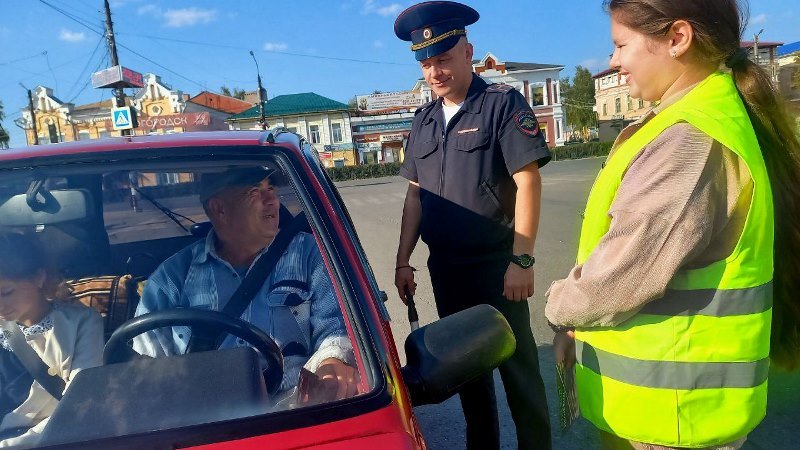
(564, 348)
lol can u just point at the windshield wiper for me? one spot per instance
(166, 211)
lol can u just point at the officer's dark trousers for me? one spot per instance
(458, 287)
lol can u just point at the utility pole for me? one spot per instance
(261, 113)
(119, 94)
(33, 115)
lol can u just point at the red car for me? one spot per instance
(110, 211)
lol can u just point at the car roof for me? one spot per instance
(128, 143)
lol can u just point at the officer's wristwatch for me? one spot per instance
(524, 260)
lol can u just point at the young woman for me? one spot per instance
(686, 278)
(66, 337)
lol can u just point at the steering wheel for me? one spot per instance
(208, 323)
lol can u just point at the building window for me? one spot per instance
(617, 105)
(543, 130)
(84, 135)
(641, 103)
(555, 92)
(489, 64)
(336, 132)
(630, 103)
(558, 129)
(605, 109)
(314, 133)
(537, 95)
(167, 178)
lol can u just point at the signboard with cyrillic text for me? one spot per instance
(389, 100)
(117, 76)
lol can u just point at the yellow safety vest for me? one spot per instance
(690, 369)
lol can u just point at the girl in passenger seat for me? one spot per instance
(68, 338)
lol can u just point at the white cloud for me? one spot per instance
(149, 9)
(71, 36)
(758, 20)
(275, 46)
(389, 10)
(371, 7)
(377, 44)
(596, 64)
(186, 17)
(121, 3)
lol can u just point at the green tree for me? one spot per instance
(577, 97)
(235, 92)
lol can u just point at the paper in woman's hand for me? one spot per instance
(568, 409)
(564, 353)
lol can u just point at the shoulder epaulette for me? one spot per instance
(499, 87)
(424, 107)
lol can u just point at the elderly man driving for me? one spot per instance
(296, 304)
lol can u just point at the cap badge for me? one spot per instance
(427, 33)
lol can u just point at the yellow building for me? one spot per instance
(160, 110)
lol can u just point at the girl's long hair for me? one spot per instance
(718, 26)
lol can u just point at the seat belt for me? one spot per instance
(253, 281)
(44, 375)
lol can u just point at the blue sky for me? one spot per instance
(334, 48)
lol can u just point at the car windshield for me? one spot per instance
(168, 295)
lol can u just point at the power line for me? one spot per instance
(157, 64)
(73, 18)
(58, 66)
(24, 58)
(50, 68)
(88, 63)
(279, 52)
(90, 28)
(102, 60)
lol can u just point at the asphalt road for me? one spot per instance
(376, 205)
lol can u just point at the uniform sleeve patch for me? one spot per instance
(526, 123)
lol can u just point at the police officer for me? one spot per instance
(472, 162)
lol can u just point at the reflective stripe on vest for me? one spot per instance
(690, 368)
(672, 374)
(712, 302)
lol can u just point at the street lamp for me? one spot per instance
(756, 59)
(262, 119)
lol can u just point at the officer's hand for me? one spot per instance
(564, 348)
(518, 283)
(404, 278)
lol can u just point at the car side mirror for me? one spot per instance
(447, 354)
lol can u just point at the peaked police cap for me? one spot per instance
(434, 27)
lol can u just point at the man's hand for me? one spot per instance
(518, 283)
(335, 380)
(564, 348)
(404, 278)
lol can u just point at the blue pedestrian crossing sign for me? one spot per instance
(123, 118)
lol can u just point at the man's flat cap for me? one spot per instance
(212, 183)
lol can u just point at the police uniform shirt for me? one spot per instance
(465, 169)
